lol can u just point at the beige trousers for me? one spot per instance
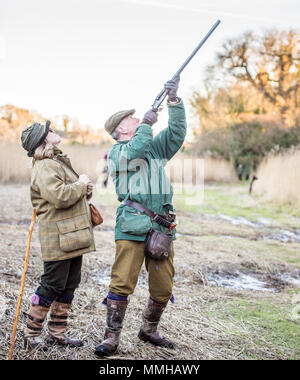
(127, 265)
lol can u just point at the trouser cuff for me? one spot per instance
(65, 298)
(38, 299)
(115, 297)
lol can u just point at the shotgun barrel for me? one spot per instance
(162, 95)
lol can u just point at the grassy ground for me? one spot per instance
(206, 321)
(233, 200)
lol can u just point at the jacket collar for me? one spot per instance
(57, 151)
(58, 155)
(123, 142)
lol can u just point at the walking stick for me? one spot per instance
(13, 335)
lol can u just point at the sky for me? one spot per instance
(89, 59)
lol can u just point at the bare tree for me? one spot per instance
(270, 63)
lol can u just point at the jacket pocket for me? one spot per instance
(134, 222)
(74, 233)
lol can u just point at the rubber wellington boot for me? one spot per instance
(114, 318)
(151, 317)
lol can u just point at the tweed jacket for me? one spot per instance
(63, 213)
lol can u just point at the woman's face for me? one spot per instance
(52, 138)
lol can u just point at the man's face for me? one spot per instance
(128, 125)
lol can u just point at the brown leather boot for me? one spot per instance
(151, 318)
(114, 318)
(33, 330)
(58, 324)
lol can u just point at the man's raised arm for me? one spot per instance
(167, 143)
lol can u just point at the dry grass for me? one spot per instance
(196, 170)
(279, 178)
(202, 322)
(218, 170)
(15, 165)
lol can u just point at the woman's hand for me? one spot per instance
(90, 187)
(84, 179)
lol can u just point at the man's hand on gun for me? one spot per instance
(172, 87)
(150, 118)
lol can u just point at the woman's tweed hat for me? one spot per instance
(34, 136)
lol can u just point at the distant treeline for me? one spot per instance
(14, 119)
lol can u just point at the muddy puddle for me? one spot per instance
(252, 281)
(233, 279)
(284, 236)
(264, 225)
(240, 220)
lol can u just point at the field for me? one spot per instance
(237, 296)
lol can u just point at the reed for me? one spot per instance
(197, 170)
(279, 178)
(15, 166)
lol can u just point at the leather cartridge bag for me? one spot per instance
(158, 245)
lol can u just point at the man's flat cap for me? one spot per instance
(34, 136)
(112, 123)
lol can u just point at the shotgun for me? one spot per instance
(162, 95)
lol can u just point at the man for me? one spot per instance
(240, 172)
(105, 172)
(136, 164)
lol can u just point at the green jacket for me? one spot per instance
(64, 219)
(137, 170)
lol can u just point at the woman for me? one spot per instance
(59, 196)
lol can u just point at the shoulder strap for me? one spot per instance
(140, 207)
(153, 215)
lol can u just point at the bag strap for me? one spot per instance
(154, 216)
(140, 207)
